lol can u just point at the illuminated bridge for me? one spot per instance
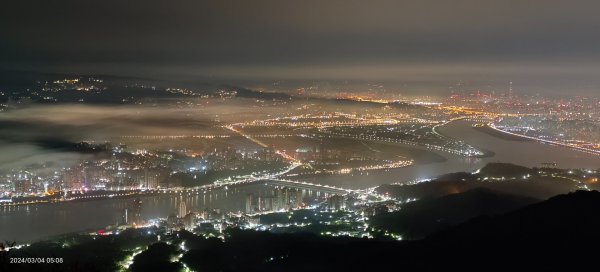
(272, 181)
(307, 186)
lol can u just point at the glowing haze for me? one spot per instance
(543, 46)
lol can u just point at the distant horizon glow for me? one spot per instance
(546, 47)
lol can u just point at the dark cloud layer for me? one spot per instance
(530, 41)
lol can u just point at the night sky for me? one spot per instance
(543, 46)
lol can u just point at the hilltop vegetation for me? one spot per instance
(500, 177)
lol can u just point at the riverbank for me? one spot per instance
(554, 143)
(505, 136)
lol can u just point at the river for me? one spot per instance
(526, 153)
(35, 222)
(29, 223)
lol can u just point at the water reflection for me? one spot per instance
(530, 154)
(38, 222)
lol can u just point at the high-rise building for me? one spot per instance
(182, 209)
(171, 221)
(152, 177)
(268, 203)
(189, 221)
(286, 199)
(281, 198)
(260, 203)
(336, 202)
(205, 215)
(136, 215)
(249, 206)
(73, 178)
(125, 219)
(93, 176)
(23, 186)
(134, 178)
(278, 198)
(298, 199)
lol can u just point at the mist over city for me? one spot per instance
(299, 136)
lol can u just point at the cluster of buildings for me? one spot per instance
(124, 170)
(349, 211)
(281, 198)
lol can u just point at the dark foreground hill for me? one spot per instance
(421, 218)
(559, 233)
(555, 233)
(501, 177)
(560, 220)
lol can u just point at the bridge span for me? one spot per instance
(307, 186)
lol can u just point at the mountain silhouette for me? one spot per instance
(419, 219)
